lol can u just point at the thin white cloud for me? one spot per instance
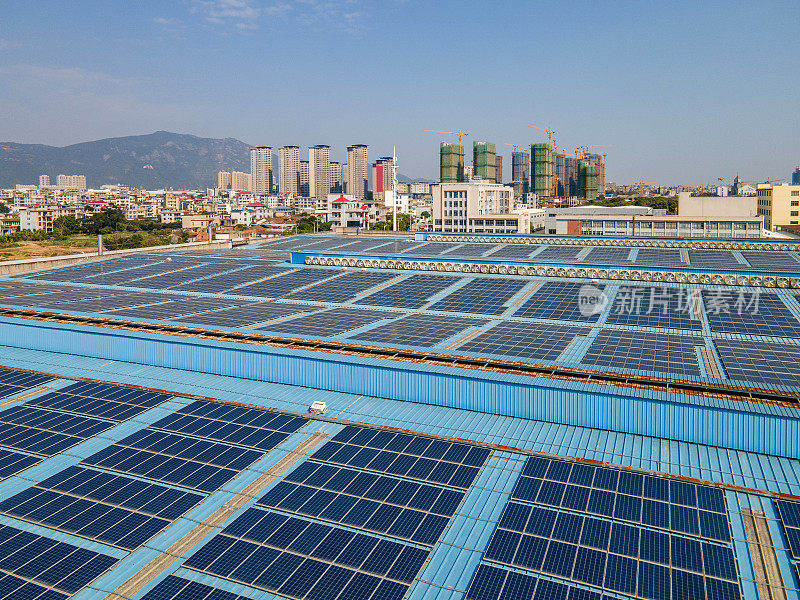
(8, 44)
(250, 14)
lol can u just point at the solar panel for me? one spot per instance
(667, 307)
(558, 300)
(545, 529)
(330, 322)
(44, 431)
(412, 292)
(714, 259)
(31, 563)
(418, 330)
(284, 284)
(416, 512)
(251, 427)
(558, 254)
(225, 282)
(526, 340)
(103, 400)
(78, 272)
(607, 256)
(115, 301)
(470, 250)
(14, 382)
(174, 309)
(750, 313)
(428, 248)
(342, 289)
(772, 364)
(189, 273)
(512, 251)
(660, 257)
(12, 463)
(414, 457)
(485, 295)
(638, 350)
(177, 588)
(245, 315)
(124, 277)
(193, 463)
(773, 261)
(112, 509)
(363, 246)
(302, 559)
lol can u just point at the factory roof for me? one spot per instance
(486, 436)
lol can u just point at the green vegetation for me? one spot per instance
(404, 222)
(4, 208)
(310, 224)
(671, 203)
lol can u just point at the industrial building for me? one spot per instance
(450, 417)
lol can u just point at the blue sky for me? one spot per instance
(685, 91)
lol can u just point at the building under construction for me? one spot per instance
(484, 161)
(451, 162)
(521, 172)
(559, 175)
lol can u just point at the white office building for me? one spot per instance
(477, 207)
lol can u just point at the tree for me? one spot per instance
(4, 208)
(66, 225)
(425, 214)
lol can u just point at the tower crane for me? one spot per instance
(548, 131)
(584, 150)
(459, 133)
(641, 185)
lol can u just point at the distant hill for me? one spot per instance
(158, 160)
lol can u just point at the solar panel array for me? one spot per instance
(116, 510)
(514, 251)
(525, 340)
(73, 273)
(607, 256)
(177, 588)
(329, 322)
(659, 257)
(45, 432)
(596, 530)
(487, 296)
(12, 463)
(789, 515)
(559, 300)
(428, 248)
(344, 288)
(638, 350)
(750, 313)
(714, 259)
(313, 535)
(188, 462)
(13, 382)
(186, 274)
(114, 301)
(226, 282)
(284, 284)
(558, 254)
(246, 315)
(412, 292)
(174, 308)
(103, 400)
(418, 330)
(36, 567)
(251, 427)
(767, 363)
(669, 307)
(773, 261)
(472, 250)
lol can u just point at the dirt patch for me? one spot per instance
(23, 250)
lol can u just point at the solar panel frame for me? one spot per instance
(344, 288)
(655, 306)
(45, 432)
(102, 400)
(328, 323)
(557, 300)
(645, 351)
(534, 341)
(412, 292)
(418, 330)
(749, 313)
(483, 295)
(773, 364)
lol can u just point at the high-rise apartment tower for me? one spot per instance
(357, 172)
(521, 172)
(484, 161)
(319, 164)
(451, 163)
(289, 170)
(261, 169)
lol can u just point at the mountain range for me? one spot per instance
(153, 161)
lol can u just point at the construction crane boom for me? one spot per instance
(459, 133)
(548, 131)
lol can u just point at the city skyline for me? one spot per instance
(633, 80)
